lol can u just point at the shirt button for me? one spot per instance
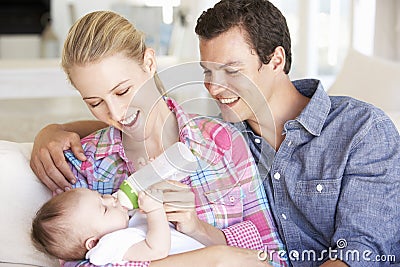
(232, 199)
(319, 187)
(257, 140)
(277, 175)
(284, 216)
(290, 143)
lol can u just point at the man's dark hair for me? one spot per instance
(264, 24)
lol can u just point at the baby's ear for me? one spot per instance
(91, 242)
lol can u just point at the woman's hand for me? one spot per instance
(48, 161)
(179, 205)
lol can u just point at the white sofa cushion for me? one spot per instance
(371, 79)
(22, 195)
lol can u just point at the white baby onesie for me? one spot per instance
(112, 247)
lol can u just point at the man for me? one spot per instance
(331, 164)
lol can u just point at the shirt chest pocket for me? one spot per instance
(226, 206)
(318, 199)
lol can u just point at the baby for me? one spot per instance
(81, 223)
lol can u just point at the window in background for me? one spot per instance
(167, 7)
(364, 24)
(334, 35)
(321, 33)
(158, 29)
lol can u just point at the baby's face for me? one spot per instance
(100, 214)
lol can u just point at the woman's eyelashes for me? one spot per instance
(93, 105)
(123, 92)
(120, 93)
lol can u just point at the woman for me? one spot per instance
(107, 61)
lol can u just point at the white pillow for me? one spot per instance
(21, 196)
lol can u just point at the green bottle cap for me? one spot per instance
(131, 193)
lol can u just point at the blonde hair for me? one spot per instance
(52, 231)
(100, 34)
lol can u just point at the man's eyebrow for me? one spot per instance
(230, 64)
(221, 66)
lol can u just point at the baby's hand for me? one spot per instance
(150, 200)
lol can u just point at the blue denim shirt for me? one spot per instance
(334, 183)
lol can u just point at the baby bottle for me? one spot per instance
(176, 163)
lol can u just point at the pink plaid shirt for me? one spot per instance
(228, 189)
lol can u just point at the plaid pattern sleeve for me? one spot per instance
(248, 234)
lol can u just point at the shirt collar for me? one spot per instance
(110, 142)
(188, 129)
(199, 137)
(245, 129)
(314, 115)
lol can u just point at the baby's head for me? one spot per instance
(70, 224)
(55, 230)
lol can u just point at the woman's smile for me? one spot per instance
(131, 120)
